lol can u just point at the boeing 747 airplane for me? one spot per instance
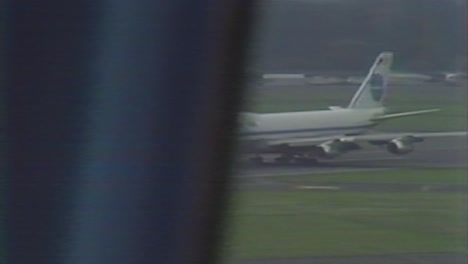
(312, 135)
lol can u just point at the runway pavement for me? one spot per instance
(436, 152)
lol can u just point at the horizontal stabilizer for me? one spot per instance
(397, 115)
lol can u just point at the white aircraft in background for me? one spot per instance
(311, 135)
(451, 78)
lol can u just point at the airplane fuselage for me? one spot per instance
(308, 124)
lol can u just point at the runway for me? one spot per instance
(440, 152)
(434, 153)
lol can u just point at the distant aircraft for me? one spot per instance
(456, 78)
(311, 135)
(450, 78)
(275, 76)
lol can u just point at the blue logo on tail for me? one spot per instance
(376, 83)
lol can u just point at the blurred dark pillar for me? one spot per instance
(120, 121)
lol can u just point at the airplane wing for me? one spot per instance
(332, 146)
(374, 137)
(397, 115)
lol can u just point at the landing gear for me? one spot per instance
(256, 160)
(282, 159)
(295, 159)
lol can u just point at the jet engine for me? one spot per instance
(328, 150)
(400, 146)
(334, 148)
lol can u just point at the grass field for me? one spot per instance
(335, 223)
(405, 176)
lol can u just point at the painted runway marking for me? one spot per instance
(315, 187)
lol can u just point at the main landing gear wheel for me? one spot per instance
(283, 160)
(256, 160)
(291, 159)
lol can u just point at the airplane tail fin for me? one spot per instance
(372, 91)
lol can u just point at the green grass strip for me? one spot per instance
(296, 224)
(391, 176)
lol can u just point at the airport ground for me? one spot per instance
(365, 207)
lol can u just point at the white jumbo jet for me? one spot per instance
(311, 135)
